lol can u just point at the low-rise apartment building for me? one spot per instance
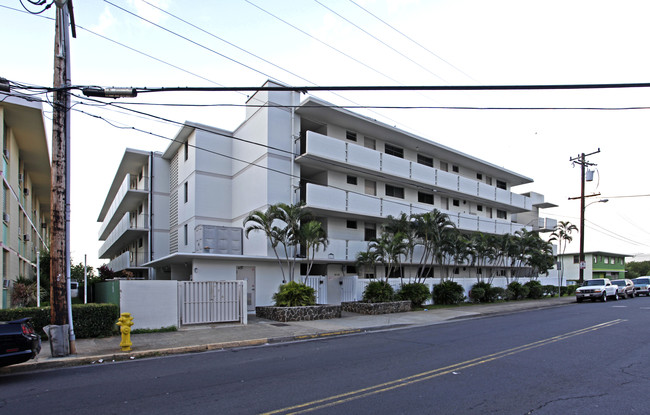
(352, 172)
(26, 191)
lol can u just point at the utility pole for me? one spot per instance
(581, 160)
(60, 203)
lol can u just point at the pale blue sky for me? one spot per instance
(497, 42)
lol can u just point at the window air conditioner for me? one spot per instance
(26, 237)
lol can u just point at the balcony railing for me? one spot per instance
(127, 223)
(131, 193)
(126, 260)
(353, 155)
(337, 200)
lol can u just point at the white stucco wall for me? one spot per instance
(152, 304)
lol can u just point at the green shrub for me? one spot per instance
(89, 320)
(550, 290)
(416, 292)
(536, 289)
(569, 289)
(378, 292)
(294, 294)
(448, 292)
(485, 293)
(519, 292)
(477, 294)
(498, 293)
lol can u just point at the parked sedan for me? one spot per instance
(18, 341)
(642, 285)
(625, 288)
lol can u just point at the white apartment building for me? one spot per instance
(351, 171)
(26, 191)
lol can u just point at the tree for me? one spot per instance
(263, 222)
(366, 261)
(432, 230)
(389, 247)
(312, 236)
(562, 234)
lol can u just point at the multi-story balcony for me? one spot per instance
(127, 260)
(340, 202)
(131, 194)
(337, 153)
(128, 229)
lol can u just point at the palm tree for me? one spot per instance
(460, 249)
(389, 247)
(562, 234)
(312, 236)
(292, 216)
(434, 230)
(365, 261)
(264, 222)
(403, 225)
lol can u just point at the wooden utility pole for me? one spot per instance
(60, 203)
(581, 160)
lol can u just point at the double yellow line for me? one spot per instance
(420, 377)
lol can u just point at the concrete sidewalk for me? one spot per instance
(260, 331)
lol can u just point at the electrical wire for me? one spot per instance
(381, 41)
(413, 41)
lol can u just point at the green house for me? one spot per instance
(598, 264)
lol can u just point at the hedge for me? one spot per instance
(90, 320)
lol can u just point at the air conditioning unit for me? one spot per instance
(26, 238)
(6, 217)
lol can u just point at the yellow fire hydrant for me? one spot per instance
(125, 322)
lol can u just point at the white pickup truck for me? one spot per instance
(598, 289)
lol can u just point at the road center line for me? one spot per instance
(398, 383)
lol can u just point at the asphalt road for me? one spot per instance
(589, 358)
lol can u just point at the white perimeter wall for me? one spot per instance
(152, 304)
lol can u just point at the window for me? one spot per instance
(140, 243)
(425, 198)
(427, 161)
(479, 176)
(502, 214)
(444, 166)
(576, 259)
(352, 224)
(595, 259)
(394, 191)
(456, 202)
(607, 260)
(479, 208)
(370, 232)
(185, 192)
(502, 185)
(351, 135)
(454, 168)
(394, 151)
(371, 188)
(186, 150)
(370, 143)
(185, 235)
(350, 269)
(352, 180)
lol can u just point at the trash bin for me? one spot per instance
(59, 339)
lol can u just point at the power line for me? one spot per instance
(190, 40)
(412, 40)
(381, 41)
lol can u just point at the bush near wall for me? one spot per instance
(90, 320)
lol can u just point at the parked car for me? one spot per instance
(625, 288)
(598, 289)
(642, 285)
(18, 341)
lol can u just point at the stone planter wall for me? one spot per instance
(314, 312)
(377, 308)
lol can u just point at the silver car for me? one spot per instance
(625, 288)
(642, 285)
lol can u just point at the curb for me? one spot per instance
(55, 363)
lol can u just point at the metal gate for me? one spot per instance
(319, 284)
(202, 302)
